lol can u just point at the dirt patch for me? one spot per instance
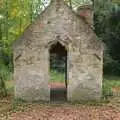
(57, 85)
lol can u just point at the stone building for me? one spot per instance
(57, 26)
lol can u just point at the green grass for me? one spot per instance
(108, 83)
(57, 77)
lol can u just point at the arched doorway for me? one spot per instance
(58, 72)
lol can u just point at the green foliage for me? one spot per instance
(3, 77)
(16, 16)
(111, 66)
(108, 83)
(5, 74)
(107, 27)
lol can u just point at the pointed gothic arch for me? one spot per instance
(58, 63)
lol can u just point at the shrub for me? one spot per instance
(4, 75)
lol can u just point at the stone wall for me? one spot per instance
(31, 55)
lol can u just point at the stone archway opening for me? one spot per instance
(58, 72)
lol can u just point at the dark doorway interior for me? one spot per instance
(58, 72)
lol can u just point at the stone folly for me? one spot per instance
(59, 24)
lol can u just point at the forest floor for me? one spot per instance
(59, 111)
(108, 109)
